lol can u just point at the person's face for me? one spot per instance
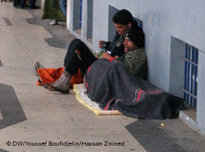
(122, 29)
(129, 45)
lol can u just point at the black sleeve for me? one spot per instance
(116, 47)
(107, 44)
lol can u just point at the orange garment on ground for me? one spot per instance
(50, 75)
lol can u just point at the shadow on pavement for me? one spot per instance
(154, 139)
(10, 107)
(61, 37)
(1, 150)
(1, 63)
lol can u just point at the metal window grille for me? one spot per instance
(80, 16)
(190, 75)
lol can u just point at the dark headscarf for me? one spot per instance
(137, 36)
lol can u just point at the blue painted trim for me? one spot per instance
(195, 75)
(185, 71)
(80, 18)
(190, 75)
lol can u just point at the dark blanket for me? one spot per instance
(114, 87)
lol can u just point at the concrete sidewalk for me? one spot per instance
(34, 119)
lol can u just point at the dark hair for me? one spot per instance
(122, 17)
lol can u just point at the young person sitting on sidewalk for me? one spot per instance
(82, 58)
(123, 21)
(118, 85)
(134, 59)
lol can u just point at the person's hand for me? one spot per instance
(106, 55)
(101, 44)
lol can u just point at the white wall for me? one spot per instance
(183, 19)
(69, 14)
(162, 20)
(201, 92)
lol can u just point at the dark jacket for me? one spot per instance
(116, 47)
(136, 62)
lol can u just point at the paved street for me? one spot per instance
(33, 119)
